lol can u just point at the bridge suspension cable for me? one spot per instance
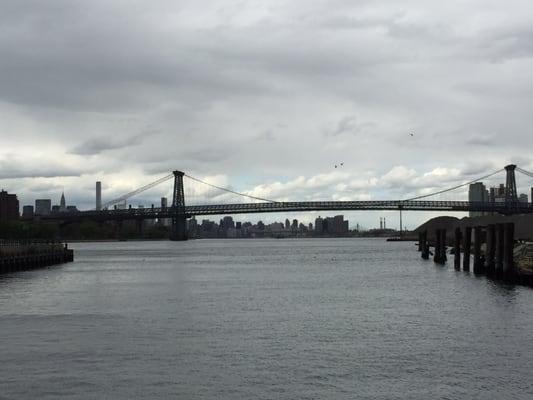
(523, 171)
(230, 191)
(137, 191)
(455, 187)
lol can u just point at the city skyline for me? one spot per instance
(209, 91)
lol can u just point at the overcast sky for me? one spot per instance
(263, 96)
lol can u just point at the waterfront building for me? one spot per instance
(43, 206)
(287, 224)
(9, 206)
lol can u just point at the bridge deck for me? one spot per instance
(250, 208)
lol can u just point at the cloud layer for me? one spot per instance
(270, 94)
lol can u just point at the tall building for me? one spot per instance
(531, 195)
(9, 206)
(164, 204)
(98, 195)
(319, 225)
(287, 224)
(43, 206)
(27, 212)
(479, 194)
(62, 203)
(522, 198)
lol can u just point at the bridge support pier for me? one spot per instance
(457, 250)
(490, 251)
(498, 267)
(478, 261)
(508, 246)
(467, 243)
(420, 239)
(179, 229)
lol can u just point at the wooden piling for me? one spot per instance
(498, 264)
(425, 245)
(457, 249)
(467, 243)
(478, 263)
(508, 247)
(436, 253)
(443, 257)
(490, 249)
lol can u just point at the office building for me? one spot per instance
(319, 225)
(62, 203)
(477, 193)
(9, 206)
(27, 212)
(43, 206)
(522, 198)
(98, 195)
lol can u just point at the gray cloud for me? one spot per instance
(100, 144)
(328, 80)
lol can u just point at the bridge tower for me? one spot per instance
(511, 195)
(179, 219)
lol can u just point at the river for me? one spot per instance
(262, 319)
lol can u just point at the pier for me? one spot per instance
(24, 255)
(493, 250)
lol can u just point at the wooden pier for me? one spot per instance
(24, 255)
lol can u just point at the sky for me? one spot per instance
(264, 97)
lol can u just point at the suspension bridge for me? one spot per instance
(217, 204)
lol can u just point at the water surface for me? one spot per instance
(262, 319)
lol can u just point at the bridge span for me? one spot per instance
(178, 212)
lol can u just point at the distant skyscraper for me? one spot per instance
(522, 198)
(62, 203)
(319, 225)
(9, 206)
(98, 195)
(287, 223)
(43, 206)
(164, 204)
(27, 212)
(477, 193)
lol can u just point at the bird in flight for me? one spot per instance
(412, 134)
